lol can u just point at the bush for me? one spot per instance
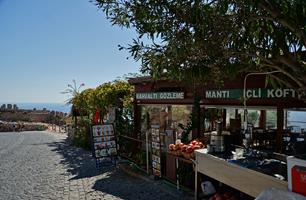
(82, 135)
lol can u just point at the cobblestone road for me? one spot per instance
(41, 165)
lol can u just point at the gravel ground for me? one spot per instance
(42, 165)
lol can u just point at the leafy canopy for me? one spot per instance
(206, 40)
(116, 94)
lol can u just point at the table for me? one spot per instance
(245, 180)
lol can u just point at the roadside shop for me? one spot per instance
(162, 112)
(232, 135)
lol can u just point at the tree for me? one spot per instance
(214, 39)
(117, 94)
(84, 100)
(73, 90)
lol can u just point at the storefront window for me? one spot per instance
(271, 119)
(253, 117)
(168, 117)
(230, 116)
(180, 115)
(212, 115)
(296, 121)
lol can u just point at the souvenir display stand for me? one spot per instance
(156, 151)
(104, 145)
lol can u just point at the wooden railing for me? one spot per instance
(131, 148)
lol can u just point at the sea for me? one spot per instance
(295, 118)
(59, 107)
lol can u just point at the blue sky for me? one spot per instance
(45, 44)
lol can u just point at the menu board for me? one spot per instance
(156, 153)
(104, 144)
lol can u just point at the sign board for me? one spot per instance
(104, 144)
(160, 95)
(259, 93)
(156, 151)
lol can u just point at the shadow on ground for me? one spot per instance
(111, 181)
(133, 188)
(79, 162)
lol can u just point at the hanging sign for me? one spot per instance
(160, 95)
(263, 93)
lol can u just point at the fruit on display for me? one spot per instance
(194, 142)
(190, 149)
(225, 196)
(187, 150)
(176, 147)
(184, 147)
(171, 147)
(181, 145)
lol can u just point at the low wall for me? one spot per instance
(13, 126)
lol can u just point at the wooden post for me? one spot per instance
(202, 121)
(280, 129)
(137, 119)
(224, 119)
(197, 126)
(262, 119)
(236, 113)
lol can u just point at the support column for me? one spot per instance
(280, 129)
(224, 119)
(202, 121)
(262, 119)
(137, 119)
(236, 113)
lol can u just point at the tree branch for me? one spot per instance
(288, 61)
(277, 67)
(282, 81)
(276, 15)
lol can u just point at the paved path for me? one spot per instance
(41, 165)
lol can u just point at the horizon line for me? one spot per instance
(6, 102)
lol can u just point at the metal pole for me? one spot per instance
(196, 183)
(196, 178)
(177, 175)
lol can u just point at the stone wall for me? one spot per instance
(13, 126)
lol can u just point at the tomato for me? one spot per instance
(189, 149)
(194, 142)
(201, 144)
(183, 148)
(171, 147)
